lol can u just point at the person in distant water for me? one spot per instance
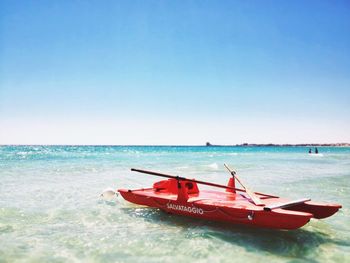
(310, 151)
(316, 150)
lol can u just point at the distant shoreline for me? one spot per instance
(284, 145)
(205, 145)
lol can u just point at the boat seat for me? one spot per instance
(171, 186)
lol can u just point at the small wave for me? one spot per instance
(6, 229)
(214, 166)
(22, 153)
(183, 167)
(316, 155)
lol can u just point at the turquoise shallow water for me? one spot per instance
(50, 208)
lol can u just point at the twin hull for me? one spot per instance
(280, 219)
(225, 206)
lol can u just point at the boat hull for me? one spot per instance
(219, 206)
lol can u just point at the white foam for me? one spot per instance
(213, 166)
(108, 194)
(316, 154)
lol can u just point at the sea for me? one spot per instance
(51, 209)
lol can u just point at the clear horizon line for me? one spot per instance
(190, 145)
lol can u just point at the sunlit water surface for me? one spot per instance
(50, 208)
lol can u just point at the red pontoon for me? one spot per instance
(179, 195)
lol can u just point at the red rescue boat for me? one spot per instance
(181, 196)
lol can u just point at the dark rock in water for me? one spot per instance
(208, 144)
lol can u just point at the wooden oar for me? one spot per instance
(255, 199)
(195, 181)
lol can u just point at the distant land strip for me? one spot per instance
(195, 145)
(285, 145)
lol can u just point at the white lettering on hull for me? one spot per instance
(189, 209)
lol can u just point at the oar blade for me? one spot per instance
(255, 199)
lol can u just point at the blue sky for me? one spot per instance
(174, 72)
